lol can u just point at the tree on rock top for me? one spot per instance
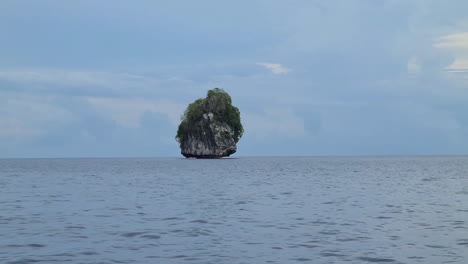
(210, 127)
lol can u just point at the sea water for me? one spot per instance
(238, 210)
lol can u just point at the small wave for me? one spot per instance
(377, 260)
(28, 245)
(133, 234)
(301, 259)
(151, 236)
(199, 221)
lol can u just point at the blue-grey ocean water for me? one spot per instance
(244, 210)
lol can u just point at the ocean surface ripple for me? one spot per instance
(239, 210)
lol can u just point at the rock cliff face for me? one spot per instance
(210, 127)
(214, 140)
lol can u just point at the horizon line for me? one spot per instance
(238, 157)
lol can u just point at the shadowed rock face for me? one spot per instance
(215, 140)
(210, 127)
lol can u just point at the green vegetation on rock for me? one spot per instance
(217, 108)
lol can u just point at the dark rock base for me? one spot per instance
(228, 153)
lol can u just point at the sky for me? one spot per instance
(111, 78)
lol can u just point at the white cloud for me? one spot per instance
(75, 78)
(457, 46)
(25, 117)
(453, 41)
(128, 112)
(458, 65)
(12, 128)
(80, 80)
(413, 66)
(273, 122)
(275, 68)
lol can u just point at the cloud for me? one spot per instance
(60, 77)
(458, 65)
(349, 58)
(413, 66)
(162, 82)
(26, 117)
(274, 122)
(275, 68)
(457, 46)
(74, 79)
(14, 129)
(128, 112)
(453, 41)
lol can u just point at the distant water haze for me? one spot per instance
(244, 210)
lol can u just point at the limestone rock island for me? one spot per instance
(210, 127)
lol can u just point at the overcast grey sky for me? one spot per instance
(338, 77)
